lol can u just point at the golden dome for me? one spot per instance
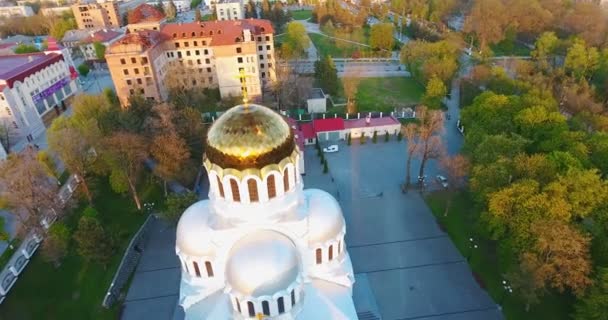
(249, 136)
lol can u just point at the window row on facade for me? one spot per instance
(256, 190)
(194, 269)
(267, 308)
(333, 251)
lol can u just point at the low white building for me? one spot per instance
(33, 90)
(333, 129)
(229, 10)
(16, 11)
(180, 5)
(55, 11)
(105, 37)
(316, 102)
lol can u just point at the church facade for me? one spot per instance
(262, 246)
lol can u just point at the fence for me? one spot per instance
(407, 113)
(28, 247)
(128, 264)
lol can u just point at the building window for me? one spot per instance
(271, 187)
(263, 75)
(265, 308)
(177, 44)
(179, 54)
(251, 309)
(122, 61)
(129, 82)
(252, 186)
(195, 42)
(125, 72)
(239, 50)
(319, 255)
(197, 271)
(268, 47)
(286, 179)
(261, 66)
(330, 254)
(197, 52)
(261, 57)
(133, 60)
(209, 269)
(209, 70)
(238, 304)
(205, 43)
(144, 60)
(186, 44)
(131, 91)
(220, 186)
(206, 51)
(234, 186)
(239, 60)
(281, 304)
(293, 297)
(188, 53)
(269, 65)
(136, 71)
(139, 81)
(267, 38)
(207, 61)
(260, 48)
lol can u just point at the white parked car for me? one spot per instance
(443, 181)
(330, 149)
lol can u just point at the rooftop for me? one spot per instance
(18, 66)
(375, 122)
(101, 36)
(145, 13)
(145, 39)
(332, 124)
(316, 93)
(224, 32)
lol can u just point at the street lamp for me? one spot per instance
(472, 247)
(506, 289)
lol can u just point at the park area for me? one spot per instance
(487, 262)
(76, 288)
(301, 14)
(384, 94)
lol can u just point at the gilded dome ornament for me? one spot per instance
(247, 137)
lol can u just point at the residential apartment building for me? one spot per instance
(232, 55)
(180, 5)
(16, 11)
(97, 15)
(229, 10)
(105, 37)
(33, 90)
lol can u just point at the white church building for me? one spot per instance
(262, 247)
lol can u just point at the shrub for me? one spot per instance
(386, 136)
(55, 246)
(375, 137)
(362, 138)
(348, 139)
(90, 212)
(325, 168)
(399, 136)
(322, 158)
(83, 69)
(94, 244)
(176, 205)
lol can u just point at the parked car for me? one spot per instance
(443, 181)
(330, 149)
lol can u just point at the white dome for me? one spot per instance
(325, 218)
(193, 233)
(262, 263)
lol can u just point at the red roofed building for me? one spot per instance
(33, 90)
(329, 129)
(234, 56)
(145, 17)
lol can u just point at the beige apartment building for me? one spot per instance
(232, 55)
(93, 15)
(229, 10)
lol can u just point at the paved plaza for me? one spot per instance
(413, 269)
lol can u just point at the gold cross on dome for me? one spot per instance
(242, 78)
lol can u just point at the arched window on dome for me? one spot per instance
(186, 267)
(238, 304)
(330, 254)
(250, 309)
(281, 304)
(265, 308)
(271, 186)
(252, 186)
(234, 186)
(220, 186)
(209, 269)
(319, 254)
(293, 297)
(197, 271)
(286, 179)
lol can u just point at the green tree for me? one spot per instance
(197, 15)
(25, 48)
(83, 69)
(327, 75)
(488, 20)
(594, 304)
(4, 235)
(100, 50)
(55, 245)
(544, 49)
(598, 145)
(60, 27)
(581, 61)
(48, 163)
(386, 136)
(296, 41)
(348, 139)
(434, 94)
(93, 243)
(431, 59)
(176, 204)
(159, 6)
(362, 138)
(325, 168)
(381, 36)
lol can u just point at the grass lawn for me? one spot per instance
(486, 262)
(301, 14)
(327, 46)
(384, 94)
(515, 49)
(76, 289)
